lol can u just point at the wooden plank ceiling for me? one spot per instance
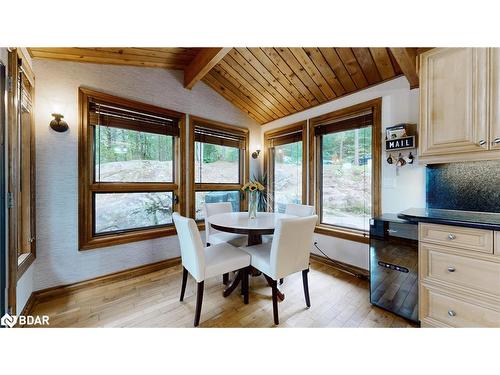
(265, 83)
(169, 58)
(270, 83)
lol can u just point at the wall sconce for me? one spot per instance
(256, 153)
(58, 124)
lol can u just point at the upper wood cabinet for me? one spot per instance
(453, 103)
(453, 89)
(494, 101)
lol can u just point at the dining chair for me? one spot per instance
(206, 262)
(294, 209)
(299, 209)
(288, 253)
(214, 237)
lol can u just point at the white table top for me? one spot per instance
(240, 220)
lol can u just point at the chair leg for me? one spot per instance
(244, 285)
(184, 281)
(306, 287)
(281, 281)
(274, 286)
(225, 278)
(199, 300)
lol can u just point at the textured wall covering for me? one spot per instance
(58, 259)
(473, 186)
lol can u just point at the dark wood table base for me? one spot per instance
(253, 239)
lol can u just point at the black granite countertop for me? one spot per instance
(480, 220)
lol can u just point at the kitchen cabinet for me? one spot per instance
(494, 94)
(459, 277)
(459, 105)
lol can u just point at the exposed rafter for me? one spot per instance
(407, 61)
(203, 62)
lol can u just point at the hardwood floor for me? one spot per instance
(152, 300)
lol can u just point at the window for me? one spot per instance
(219, 164)
(130, 170)
(285, 165)
(346, 165)
(22, 233)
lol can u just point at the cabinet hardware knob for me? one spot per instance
(497, 140)
(482, 142)
(451, 236)
(451, 269)
(452, 313)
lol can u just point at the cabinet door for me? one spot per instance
(495, 99)
(453, 101)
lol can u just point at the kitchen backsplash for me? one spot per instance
(470, 186)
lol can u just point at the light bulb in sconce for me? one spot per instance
(256, 153)
(58, 124)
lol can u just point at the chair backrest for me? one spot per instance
(292, 242)
(299, 209)
(192, 250)
(214, 209)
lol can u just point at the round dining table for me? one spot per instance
(240, 223)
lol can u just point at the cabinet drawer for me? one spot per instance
(459, 313)
(480, 275)
(463, 238)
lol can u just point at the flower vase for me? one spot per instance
(252, 204)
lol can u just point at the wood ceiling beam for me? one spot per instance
(202, 63)
(407, 61)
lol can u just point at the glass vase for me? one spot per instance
(252, 204)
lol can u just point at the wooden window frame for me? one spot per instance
(87, 187)
(375, 105)
(18, 64)
(276, 133)
(244, 164)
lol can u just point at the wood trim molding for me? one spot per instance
(191, 186)
(86, 187)
(350, 235)
(314, 194)
(298, 126)
(202, 63)
(359, 272)
(63, 290)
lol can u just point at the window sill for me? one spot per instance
(345, 234)
(119, 239)
(24, 264)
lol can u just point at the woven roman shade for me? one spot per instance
(104, 114)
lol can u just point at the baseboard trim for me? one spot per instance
(61, 290)
(341, 266)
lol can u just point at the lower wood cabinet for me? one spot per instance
(445, 309)
(459, 282)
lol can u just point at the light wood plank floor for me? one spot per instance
(152, 300)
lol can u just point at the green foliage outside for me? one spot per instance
(212, 153)
(114, 144)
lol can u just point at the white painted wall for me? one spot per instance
(402, 188)
(58, 259)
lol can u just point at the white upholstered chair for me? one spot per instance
(214, 237)
(299, 209)
(286, 254)
(205, 262)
